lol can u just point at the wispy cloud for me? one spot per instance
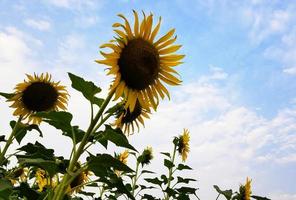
(41, 25)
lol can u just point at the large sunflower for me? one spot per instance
(140, 63)
(127, 120)
(183, 144)
(38, 93)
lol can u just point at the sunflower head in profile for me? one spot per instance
(140, 63)
(183, 144)
(248, 189)
(127, 120)
(43, 180)
(37, 94)
(146, 156)
(78, 183)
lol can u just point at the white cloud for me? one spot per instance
(41, 25)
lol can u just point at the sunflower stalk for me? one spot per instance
(135, 178)
(9, 141)
(61, 188)
(171, 172)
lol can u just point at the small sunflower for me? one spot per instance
(248, 189)
(38, 93)
(77, 184)
(127, 119)
(43, 180)
(140, 63)
(146, 156)
(18, 175)
(183, 144)
(122, 157)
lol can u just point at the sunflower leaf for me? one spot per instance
(226, 193)
(7, 95)
(87, 88)
(115, 136)
(260, 198)
(182, 167)
(2, 138)
(169, 164)
(101, 163)
(22, 130)
(62, 120)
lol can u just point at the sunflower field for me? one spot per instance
(143, 66)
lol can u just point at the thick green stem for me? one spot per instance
(171, 171)
(60, 189)
(9, 141)
(135, 179)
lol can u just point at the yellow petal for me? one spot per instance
(112, 46)
(170, 49)
(171, 58)
(143, 24)
(163, 88)
(165, 37)
(155, 31)
(109, 62)
(148, 27)
(170, 77)
(136, 25)
(168, 81)
(127, 26)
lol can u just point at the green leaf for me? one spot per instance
(102, 163)
(59, 119)
(22, 130)
(186, 190)
(166, 154)
(5, 184)
(7, 95)
(48, 165)
(182, 167)
(154, 181)
(149, 197)
(37, 155)
(147, 172)
(87, 88)
(226, 193)
(25, 191)
(164, 178)
(169, 164)
(115, 136)
(2, 138)
(62, 120)
(260, 198)
(116, 108)
(184, 180)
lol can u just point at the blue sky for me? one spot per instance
(239, 77)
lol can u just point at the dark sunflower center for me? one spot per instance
(39, 96)
(181, 145)
(139, 64)
(131, 116)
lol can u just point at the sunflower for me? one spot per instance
(122, 157)
(140, 63)
(146, 156)
(18, 175)
(77, 184)
(43, 180)
(248, 189)
(37, 94)
(127, 119)
(183, 144)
